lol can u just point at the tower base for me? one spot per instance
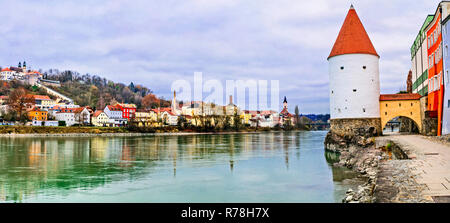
(356, 126)
(347, 132)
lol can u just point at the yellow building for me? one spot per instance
(146, 117)
(37, 115)
(100, 118)
(400, 105)
(246, 116)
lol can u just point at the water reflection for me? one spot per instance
(50, 169)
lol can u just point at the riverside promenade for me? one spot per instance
(424, 177)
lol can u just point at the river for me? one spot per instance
(261, 167)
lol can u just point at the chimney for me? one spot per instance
(231, 99)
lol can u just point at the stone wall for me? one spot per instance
(429, 125)
(408, 125)
(356, 126)
(352, 132)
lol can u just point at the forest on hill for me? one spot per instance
(97, 92)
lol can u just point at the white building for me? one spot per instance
(169, 118)
(115, 115)
(73, 116)
(354, 73)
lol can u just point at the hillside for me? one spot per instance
(95, 91)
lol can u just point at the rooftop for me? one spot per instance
(399, 97)
(352, 38)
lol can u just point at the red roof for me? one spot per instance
(40, 97)
(6, 69)
(352, 38)
(397, 97)
(97, 113)
(72, 110)
(114, 108)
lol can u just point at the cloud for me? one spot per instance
(157, 42)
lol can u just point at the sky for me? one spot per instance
(155, 43)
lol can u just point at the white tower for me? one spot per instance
(354, 76)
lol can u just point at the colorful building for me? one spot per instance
(128, 110)
(115, 115)
(419, 60)
(43, 101)
(401, 105)
(145, 117)
(435, 51)
(37, 115)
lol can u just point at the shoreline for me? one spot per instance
(401, 169)
(131, 134)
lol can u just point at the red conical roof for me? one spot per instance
(352, 38)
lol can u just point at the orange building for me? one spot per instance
(37, 115)
(435, 69)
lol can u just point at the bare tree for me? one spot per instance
(18, 101)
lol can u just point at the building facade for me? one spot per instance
(419, 60)
(115, 115)
(100, 119)
(446, 76)
(128, 110)
(37, 115)
(435, 51)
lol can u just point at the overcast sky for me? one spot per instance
(157, 42)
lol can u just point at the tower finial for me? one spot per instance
(351, 6)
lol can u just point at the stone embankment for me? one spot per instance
(359, 153)
(399, 168)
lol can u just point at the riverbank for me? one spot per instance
(401, 169)
(47, 131)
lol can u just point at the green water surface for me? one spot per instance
(265, 167)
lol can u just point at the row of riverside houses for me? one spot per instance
(431, 64)
(45, 111)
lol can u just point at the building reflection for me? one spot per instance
(32, 166)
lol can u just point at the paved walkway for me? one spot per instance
(429, 164)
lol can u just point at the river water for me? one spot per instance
(264, 167)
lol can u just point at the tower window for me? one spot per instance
(354, 90)
(364, 67)
(364, 110)
(385, 113)
(342, 68)
(399, 104)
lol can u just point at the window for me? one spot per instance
(448, 106)
(342, 68)
(447, 77)
(364, 67)
(354, 90)
(399, 104)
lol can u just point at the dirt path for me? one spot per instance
(429, 167)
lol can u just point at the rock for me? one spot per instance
(349, 198)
